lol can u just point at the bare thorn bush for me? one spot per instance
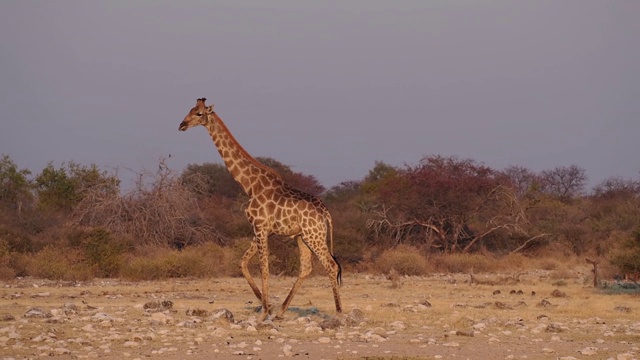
(159, 210)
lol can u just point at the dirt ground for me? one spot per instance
(442, 316)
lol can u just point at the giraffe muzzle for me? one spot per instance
(183, 126)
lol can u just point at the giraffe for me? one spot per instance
(274, 207)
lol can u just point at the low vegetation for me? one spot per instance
(445, 214)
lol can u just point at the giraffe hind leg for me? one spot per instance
(244, 266)
(305, 269)
(334, 271)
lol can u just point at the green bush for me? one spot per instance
(101, 250)
(627, 259)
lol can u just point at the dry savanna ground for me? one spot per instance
(442, 316)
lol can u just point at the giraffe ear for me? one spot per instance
(210, 109)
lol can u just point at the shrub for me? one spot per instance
(406, 260)
(15, 241)
(463, 263)
(627, 259)
(59, 263)
(160, 210)
(155, 262)
(101, 250)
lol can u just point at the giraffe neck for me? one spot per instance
(252, 176)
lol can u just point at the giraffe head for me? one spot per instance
(199, 115)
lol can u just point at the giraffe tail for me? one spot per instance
(330, 223)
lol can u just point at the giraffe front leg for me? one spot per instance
(244, 266)
(305, 270)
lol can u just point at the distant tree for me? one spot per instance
(522, 179)
(14, 185)
(380, 173)
(343, 192)
(450, 203)
(617, 187)
(564, 182)
(211, 179)
(64, 187)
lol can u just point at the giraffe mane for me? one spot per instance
(242, 150)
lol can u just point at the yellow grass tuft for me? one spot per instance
(404, 259)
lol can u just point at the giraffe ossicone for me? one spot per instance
(274, 207)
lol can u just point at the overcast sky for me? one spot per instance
(326, 87)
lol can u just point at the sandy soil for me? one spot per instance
(436, 317)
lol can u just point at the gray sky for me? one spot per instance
(325, 87)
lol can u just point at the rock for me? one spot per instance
(7, 317)
(479, 326)
(286, 350)
(101, 317)
(61, 351)
(544, 303)
(588, 351)
(558, 293)
(312, 329)
(41, 295)
(161, 318)
(330, 323)
(554, 328)
(197, 312)
(36, 312)
(355, 317)
(223, 315)
(398, 325)
(70, 308)
(502, 306)
(160, 305)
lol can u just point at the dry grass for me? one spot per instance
(201, 261)
(404, 259)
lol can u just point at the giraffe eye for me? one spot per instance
(199, 114)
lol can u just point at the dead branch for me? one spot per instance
(526, 243)
(159, 210)
(398, 231)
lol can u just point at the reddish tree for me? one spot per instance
(564, 182)
(300, 181)
(458, 202)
